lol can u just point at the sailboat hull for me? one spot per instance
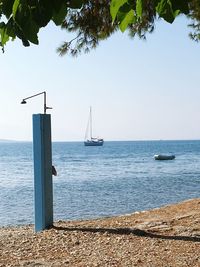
(93, 143)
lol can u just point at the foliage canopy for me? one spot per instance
(90, 20)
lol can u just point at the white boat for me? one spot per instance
(164, 157)
(89, 139)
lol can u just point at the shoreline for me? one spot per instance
(106, 217)
(168, 236)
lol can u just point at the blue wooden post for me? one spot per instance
(43, 185)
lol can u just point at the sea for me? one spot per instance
(118, 178)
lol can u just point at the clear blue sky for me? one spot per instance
(139, 90)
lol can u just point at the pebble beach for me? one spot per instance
(165, 237)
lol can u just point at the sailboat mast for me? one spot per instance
(91, 122)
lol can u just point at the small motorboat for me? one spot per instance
(164, 157)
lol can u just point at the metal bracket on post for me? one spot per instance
(43, 185)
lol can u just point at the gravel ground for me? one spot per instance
(164, 237)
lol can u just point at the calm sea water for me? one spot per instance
(92, 182)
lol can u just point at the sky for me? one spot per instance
(138, 90)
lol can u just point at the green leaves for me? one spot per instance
(6, 7)
(137, 9)
(4, 35)
(115, 6)
(15, 7)
(170, 9)
(124, 12)
(60, 15)
(129, 18)
(181, 5)
(165, 10)
(25, 18)
(139, 6)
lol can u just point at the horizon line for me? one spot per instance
(109, 140)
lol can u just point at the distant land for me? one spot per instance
(7, 140)
(13, 141)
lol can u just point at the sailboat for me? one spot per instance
(91, 141)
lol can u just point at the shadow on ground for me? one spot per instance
(128, 231)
